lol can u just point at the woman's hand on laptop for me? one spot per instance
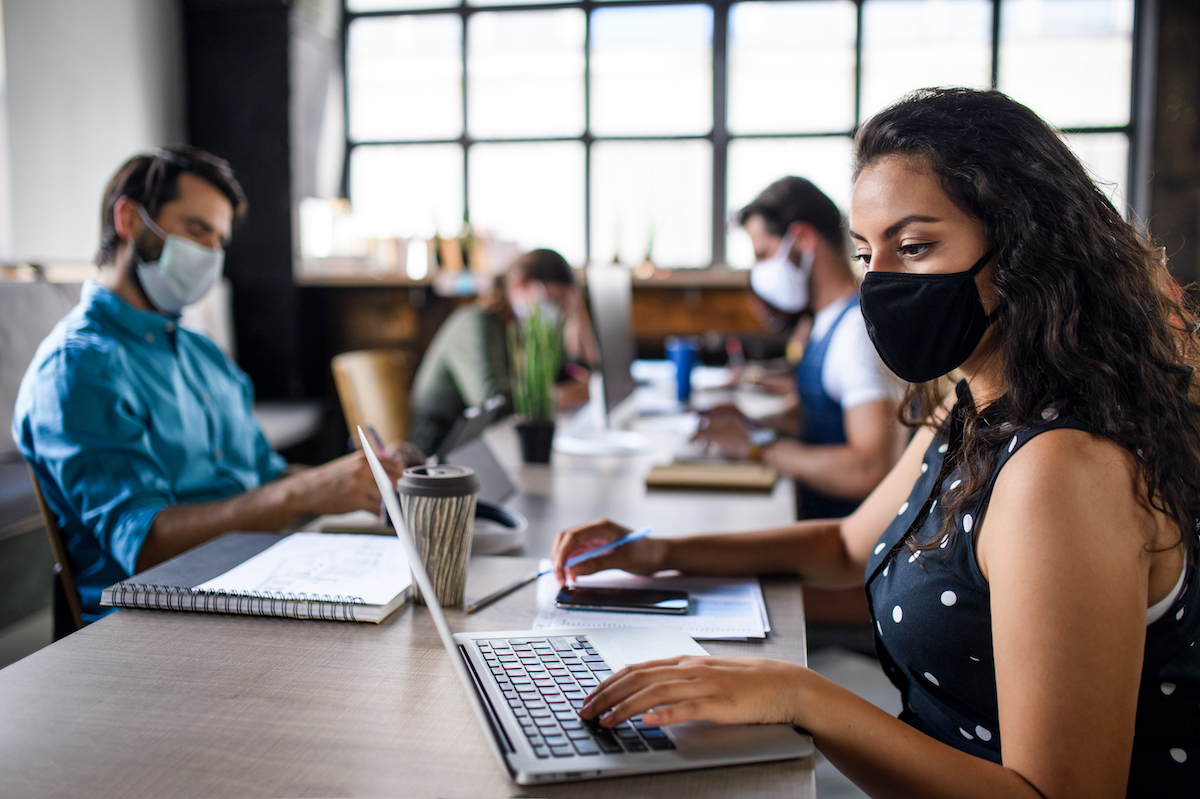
(644, 556)
(726, 690)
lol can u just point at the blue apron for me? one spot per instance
(820, 422)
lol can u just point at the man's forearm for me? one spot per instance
(784, 422)
(838, 470)
(178, 528)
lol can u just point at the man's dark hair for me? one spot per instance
(794, 199)
(152, 179)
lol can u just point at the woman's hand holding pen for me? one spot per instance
(725, 690)
(644, 556)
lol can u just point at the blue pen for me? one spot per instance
(604, 549)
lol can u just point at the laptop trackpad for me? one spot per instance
(625, 645)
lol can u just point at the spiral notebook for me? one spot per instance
(335, 577)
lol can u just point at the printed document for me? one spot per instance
(719, 607)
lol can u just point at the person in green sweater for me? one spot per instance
(467, 361)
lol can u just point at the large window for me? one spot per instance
(615, 128)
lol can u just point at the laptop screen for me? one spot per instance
(494, 485)
(392, 502)
(469, 425)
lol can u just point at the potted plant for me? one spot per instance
(534, 353)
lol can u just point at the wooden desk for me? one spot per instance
(154, 703)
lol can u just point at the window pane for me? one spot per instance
(525, 73)
(915, 44)
(755, 164)
(1106, 156)
(766, 55)
(406, 77)
(407, 190)
(652, 196)
(531, 194)
(396, 5)
(651, 70)
(1087, 45)
(509, 2)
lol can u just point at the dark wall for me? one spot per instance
(237, 82)
(1175, 186)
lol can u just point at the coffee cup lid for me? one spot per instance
(438, 481)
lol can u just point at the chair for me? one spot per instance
(68, 609)
(373, 387)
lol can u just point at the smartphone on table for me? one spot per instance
(622, 600)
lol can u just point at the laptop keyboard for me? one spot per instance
(545, 681)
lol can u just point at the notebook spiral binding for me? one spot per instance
(246, 603)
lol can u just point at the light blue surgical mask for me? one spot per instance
(183, 273)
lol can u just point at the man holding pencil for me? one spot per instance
(140, 432)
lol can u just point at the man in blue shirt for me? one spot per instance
(140, 432)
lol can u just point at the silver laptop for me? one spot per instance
(526, 687)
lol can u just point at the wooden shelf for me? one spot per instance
(715, 277)
(360, 280)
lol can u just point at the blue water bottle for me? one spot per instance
(682, 352)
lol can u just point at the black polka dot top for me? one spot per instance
(933, 632)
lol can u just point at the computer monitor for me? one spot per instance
(610, 290)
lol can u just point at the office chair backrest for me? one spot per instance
(373, 386)
(65, 577)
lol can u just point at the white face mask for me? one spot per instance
(780, 282)
(183, 273)
(549, 310)
(524, 302)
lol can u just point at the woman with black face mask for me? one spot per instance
(1031, 560)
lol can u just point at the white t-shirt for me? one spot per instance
(852, 373)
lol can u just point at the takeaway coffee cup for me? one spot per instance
(439, 509)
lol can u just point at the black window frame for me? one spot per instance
(1136, 130)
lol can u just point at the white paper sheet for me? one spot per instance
(370, 567)
(720, 608)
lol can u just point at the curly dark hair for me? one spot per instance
(1091, 322)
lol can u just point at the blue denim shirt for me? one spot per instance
(122, 413)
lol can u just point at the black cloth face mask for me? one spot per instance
(923, 326)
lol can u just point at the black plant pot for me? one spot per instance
(537, 438)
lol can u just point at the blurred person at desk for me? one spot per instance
(140, 432)
(844, 435)
(467, 361)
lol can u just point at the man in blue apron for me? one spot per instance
(844, 436)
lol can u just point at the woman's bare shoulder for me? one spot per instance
(1067, 487)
